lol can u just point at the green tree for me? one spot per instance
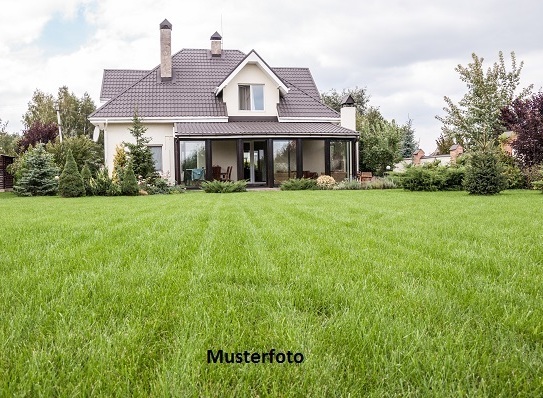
(409, 144)
(129, 184)
(87, 180)
(8, 142)
(36, 173)
(140, 154)
(484, 174)
(74, 111)
(70, 184)
(444, 144)
(380, 142)
(475, 120)
(84, 150)
(333, 98)
(119, 163)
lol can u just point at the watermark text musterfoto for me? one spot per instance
(271, 356)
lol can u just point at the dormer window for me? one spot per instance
(251, 97)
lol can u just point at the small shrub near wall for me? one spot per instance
(298, 184)
(375, 183)
(326, 182)
(224, 186)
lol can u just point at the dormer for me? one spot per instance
(252, 88)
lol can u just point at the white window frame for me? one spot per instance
(252, 97)
(161, 157)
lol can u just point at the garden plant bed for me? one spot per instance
(383, 292)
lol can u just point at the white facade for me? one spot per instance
(251, 74)
(161, 134)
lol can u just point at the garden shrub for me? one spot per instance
(36, 173)
(224, 186)
(375, 183)
(532, 174)
(484, 174)
(129, 184)
(298, 184)
(538, 185)
(87, 180)
(160, 186)
(326, 182)
(102, 185)
(432, 177)
(70, 183)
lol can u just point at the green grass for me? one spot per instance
(386, 293)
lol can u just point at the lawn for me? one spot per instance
(384, 293)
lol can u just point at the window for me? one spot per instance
(251, 97)
(156, 151)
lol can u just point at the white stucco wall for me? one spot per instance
(161, 134)
(251, 74)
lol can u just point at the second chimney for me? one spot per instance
(166, 50)
(216, 45)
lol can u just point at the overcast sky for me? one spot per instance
(403, 52)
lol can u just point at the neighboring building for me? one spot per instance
(419, 158)
(207, 109)
(6, 179)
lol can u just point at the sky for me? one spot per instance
(403, 52)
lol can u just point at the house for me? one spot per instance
(210, 110)
(420, 158)
(6, 179)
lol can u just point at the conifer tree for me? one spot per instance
(140, 154)
(36, 173)
(119, 163)
(129, 185)
(70, 184)
(87, 177)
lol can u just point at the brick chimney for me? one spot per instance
(165, 50)
(417, 156)
(455, 151)
(348, 112)
(216, 45)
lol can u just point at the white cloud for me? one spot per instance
(403, 52)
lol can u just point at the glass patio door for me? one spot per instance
(254, 161)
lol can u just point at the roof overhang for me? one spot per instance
(254, 59)
(101, 121)
(263, 129)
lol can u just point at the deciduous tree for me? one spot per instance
(475, 120)
(333, 98)
(380, 142)
(525, 118)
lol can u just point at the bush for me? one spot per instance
(326, 182)
(298, 184)
(70, 184)
(432, 178)
(129, 184)
(84, 151)
(36, 173)
(484, 174)
(538, 185)
(224, 186)
(375, 183)
(532, 174)
(160, 186)
(87, 180)
(102, 185)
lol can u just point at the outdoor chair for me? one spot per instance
(228, 175)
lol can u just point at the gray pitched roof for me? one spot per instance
(116, 81)
(286, 129)
(191, 92)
